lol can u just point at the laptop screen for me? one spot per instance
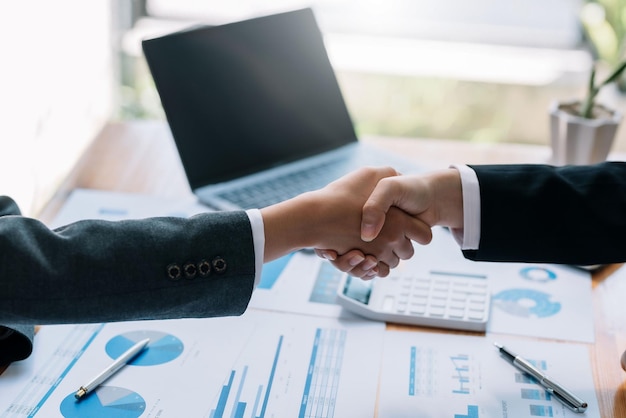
(247, 96)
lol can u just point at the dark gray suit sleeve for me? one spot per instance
(99, 271)
(539, 213)
(16, 340)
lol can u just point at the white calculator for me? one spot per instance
(436, 299)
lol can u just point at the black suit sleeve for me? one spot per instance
(540, 213)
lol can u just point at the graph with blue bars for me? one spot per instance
(460, 363)
(472, 412)
(539, 399)
(326, 283)
(230, 389)
(248, 391)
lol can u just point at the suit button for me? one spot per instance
(190, 270)
(173, 271)
(204, 268)
(219, 265)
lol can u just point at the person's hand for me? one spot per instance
(330, 218)
(435, 198)
(356, 263)
(368, 266)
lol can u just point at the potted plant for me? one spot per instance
(582, 131)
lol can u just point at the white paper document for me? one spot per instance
(431, 375)
(301, 282)
(537, 300)
(261, 364)
(115, 206)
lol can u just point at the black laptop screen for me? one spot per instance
(248, 95)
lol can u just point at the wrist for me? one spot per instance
(448, 197)
(287, 226)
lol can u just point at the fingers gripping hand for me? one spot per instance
(355, 263)
(409, 193)
(394, 243)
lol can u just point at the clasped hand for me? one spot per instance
(395, 210)
(368, 236)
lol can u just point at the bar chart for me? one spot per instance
(258, 389)
(442, 375)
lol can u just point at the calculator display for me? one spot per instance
(358, 289)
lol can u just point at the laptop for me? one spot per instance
(256, 111)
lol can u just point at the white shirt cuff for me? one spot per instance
(258, 237)
(469, 237)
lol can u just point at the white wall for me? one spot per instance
(56, 91)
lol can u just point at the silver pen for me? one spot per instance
(570, 400)
(114, 367)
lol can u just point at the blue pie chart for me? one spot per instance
(537, 274)
(104, 402)
(162, 348)
(527, 303)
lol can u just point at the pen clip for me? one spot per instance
(568, 403)
(564, 395)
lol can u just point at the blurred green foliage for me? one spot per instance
(604, 22)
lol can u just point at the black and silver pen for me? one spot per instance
(570, 400)
(112, 369)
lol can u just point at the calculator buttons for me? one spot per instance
(463, 300)
(437, 300)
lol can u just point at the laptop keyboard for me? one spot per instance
(268, 192)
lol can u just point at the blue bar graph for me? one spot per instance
(412, 372)
(272, 271)
(239, 406)
(541, 411)
(421, 370)
(325, 286)
(461, 368)
(271, 379)
(540, 364)
(322, 381)
(221, 403)
(472, 412)
(525, 378)
(536, 394)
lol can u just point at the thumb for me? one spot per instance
(375, 211)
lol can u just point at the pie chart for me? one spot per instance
(104, 402)
(162, 348)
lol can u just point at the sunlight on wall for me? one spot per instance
(57, 90)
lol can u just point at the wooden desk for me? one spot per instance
(141, 157)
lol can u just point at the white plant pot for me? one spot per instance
(578, 140)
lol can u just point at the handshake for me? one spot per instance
(366, 221)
